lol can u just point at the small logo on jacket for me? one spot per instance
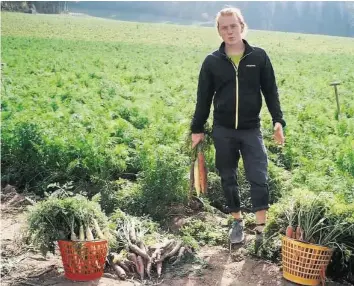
(250, 66)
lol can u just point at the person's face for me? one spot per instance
(230, 29)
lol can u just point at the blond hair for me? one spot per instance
(232, 11)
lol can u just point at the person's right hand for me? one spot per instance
(196, 138)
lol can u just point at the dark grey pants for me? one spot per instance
(229, 145)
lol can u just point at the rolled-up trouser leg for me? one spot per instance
(255, 161)
(227, 149)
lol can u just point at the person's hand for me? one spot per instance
(278, 134)
(196, 138)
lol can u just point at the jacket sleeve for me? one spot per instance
(205, 95)
(270, 91)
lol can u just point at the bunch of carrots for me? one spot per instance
(85, 231)
(198, 173)
(141, 259)
(137, 258)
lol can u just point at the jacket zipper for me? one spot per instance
(236, 71)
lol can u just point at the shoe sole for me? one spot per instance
(237, 241)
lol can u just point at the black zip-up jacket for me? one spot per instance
(236, 90)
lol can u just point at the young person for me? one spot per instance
(233, 77)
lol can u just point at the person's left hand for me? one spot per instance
(278, 134)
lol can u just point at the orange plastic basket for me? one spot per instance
(304, 263)
(83, 260)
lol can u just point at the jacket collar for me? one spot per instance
(248, 48)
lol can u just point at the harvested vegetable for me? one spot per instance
(159, 265)
(148, 268)
(143, 258)
(56, 219)
(172, 252)
(133, 258)
(202, 171)
(82, 233)
(180, 255)
(167, 244)
(197, 177)
(298, 232)
(120, 271)
(98, 229)
(115, 258)
(71, 222)
(143, 248)
(140, 267)
(89, 235)
(139, 251)
(289, 231)
(132, 233)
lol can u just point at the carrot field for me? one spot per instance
(106, 106)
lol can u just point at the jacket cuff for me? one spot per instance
(197, 129)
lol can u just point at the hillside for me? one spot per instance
(322, 17)
(107, 104)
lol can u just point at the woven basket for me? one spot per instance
(83, 260)
(304, 263)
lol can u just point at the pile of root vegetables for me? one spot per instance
(136, 258)
(143, 261)
(136, 247)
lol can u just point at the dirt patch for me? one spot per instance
(213, 266)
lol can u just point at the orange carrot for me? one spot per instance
(289, 231)
(202, 172)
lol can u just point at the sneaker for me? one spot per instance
(236, 232)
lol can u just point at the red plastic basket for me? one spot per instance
(83, 260)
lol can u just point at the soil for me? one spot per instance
(215, 266)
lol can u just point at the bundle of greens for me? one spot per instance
(324, 219)
(315, 221)
(70, 218)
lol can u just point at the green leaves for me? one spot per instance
(54, 218)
